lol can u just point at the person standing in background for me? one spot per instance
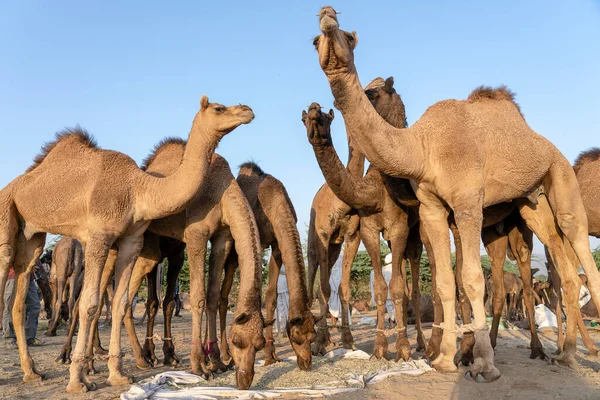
(335, 279)
(282, 311)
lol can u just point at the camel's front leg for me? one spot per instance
(434, 218)
(433, 346)
(397, 293)
(414, 248)
(230, 267)
(468, 214)
(196, 255)
(319, 347)
(175, 264)
(468, 340)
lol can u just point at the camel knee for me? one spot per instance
(6, 254)
(568, 224)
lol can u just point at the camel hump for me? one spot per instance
(161, 146)
(586, 156)
(251, 168)
(77, 134)
(488, 93)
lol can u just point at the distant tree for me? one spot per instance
(596, 254)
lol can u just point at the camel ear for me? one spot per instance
(331, 115)
(269, 323)
(242, 319)
(534, 271)
(203, 102)
(354, 40)
(304, 116)
(297, 321)
(389, 85)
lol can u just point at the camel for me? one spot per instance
(489, 117)
(276, 220)
(513, 287)
(383, 209)
(66, 275)
(100, 198)
(218, 212)
(360, 192)
(587, 171)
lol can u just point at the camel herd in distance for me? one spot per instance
(513, 183)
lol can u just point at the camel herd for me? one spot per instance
(473, 167)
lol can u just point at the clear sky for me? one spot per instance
(133, 72)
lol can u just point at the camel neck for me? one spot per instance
(164, 196)
(393, 151)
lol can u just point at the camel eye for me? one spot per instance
(219, 109)
(316, 41)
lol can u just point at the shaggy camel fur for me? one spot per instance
(276, 220)
(420, 153)
(66, 277)
(101, 198)
(220, 213)
(383, 209)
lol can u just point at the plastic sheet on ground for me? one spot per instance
(183, 385)
(545, 318)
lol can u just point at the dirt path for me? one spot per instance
(522, 378)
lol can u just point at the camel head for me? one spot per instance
(335, 46)
(245, 339)
(301, 331)
(386, 101)
(222, 119)
(318, 125)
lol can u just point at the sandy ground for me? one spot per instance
(522, 378)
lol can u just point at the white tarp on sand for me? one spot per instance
(183, 385)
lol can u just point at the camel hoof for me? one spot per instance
(443, 365)
(118, 380)
(143, 366)
(420, 347)
(565, 359)
(28, 378)
(468, 376)
(172, 361)
(403, 354)
(480, 379)
(593, 353)
(77, 387)
(538, 352)
(99, 351)
(50, 333)
(63, 359)
(271, 361)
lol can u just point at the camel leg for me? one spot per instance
(370, 239)
(176, 260)
(271, 303)
(96, 253)
(230, 267)
(398, 291)
(434, 217)
(521, 242)
(414, 248)
(57, 301)
(146, 262)
(468, 214)
(148, 352)
(496, 245)
(468, 340)
(556, 285)
(432, 350)
(319, 347)
(65, 353)
(28, 251)
(352, 242)
(197, 257)
(541, 221)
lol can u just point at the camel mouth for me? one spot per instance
(328, 19)
(246, 115)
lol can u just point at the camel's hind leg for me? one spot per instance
(521, 243)
(129, 249)
(565, 200)
(370, 239)
(414, 248)
(271, 303)
(398, 293)
(147, 260)
(496, 245)
(433, 345)
(352, 241)
(197, 257)
(230, 267)
(28, 251)
(540, 220)
(176, 259)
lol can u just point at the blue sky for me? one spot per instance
(133, 72)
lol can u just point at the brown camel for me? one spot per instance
(587, 170)
(107, 200)
(276, 220)
(66, 274)
(488, 118)
(220, 213)
(318, 128)
(513, 287)
(379, 201)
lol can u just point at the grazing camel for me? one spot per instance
(66, 277)
(103, 199)
(220, 213)
(276, 220)
(421, 153)
(513, 287)
(384, 206)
